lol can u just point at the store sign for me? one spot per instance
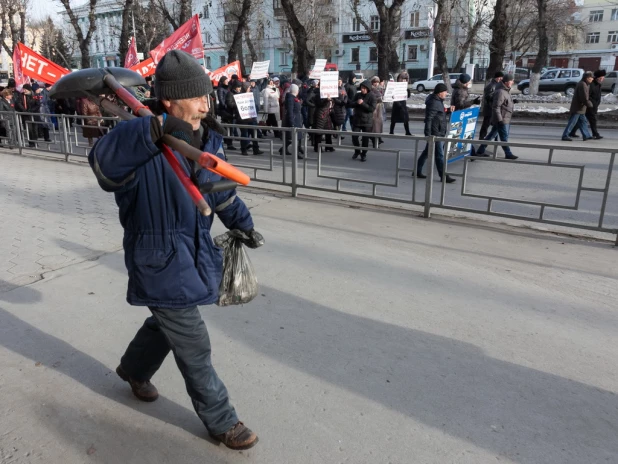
(353, 38)
(417, 34)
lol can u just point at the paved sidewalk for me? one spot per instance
(377, 337)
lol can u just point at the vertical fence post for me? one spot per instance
(18, 134)
(431, 142)
(294, 136)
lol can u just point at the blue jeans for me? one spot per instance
(502, 131)
(582, 124)
(183, 332)
(438, 155)
(348, 116)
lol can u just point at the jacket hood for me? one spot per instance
(366, 84)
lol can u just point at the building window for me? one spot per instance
(615, 14)
(356, 25)
(328, 27)
(414, 18)
(284, 32)
(375, 23)
(355, 55)
(593, 37)
(373, 54)
(206, 12)
(207, 37)
(595, 16)
(276, 4)
(612, 36)
(412, 52)
(228, 32)
(208, 62)
(283, 58)
(222, 61)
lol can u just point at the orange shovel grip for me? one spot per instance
(223, 168)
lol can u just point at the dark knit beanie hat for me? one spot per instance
(179, 76)
(440, 88)
(600, 73)
(498, 74)
(464, 78)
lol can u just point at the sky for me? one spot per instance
(40, 9)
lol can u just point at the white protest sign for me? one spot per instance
(396, 91)
(318, 68)
(329, 84)
(259, 70)
(246, 105)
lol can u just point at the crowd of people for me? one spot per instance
(283, 103)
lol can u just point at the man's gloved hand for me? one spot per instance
(252, 238)
(175, 127)
(477, 101)
(515, 100)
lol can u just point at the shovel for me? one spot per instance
(94, 82)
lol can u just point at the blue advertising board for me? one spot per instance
(462, 127)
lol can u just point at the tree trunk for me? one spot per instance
(82, 41)
(252, 52)
(125, 32)
(301, 50)
(442, 26)
(499, 37)
(463, 49)
(541, 57)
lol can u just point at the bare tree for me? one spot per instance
(150, 24)
(13, 23)
(125, 29)
(442, 33)
(52, 42)
(300, 38)
(236, 16)
(83, 41)
(388, 35)
(177, 12)
(499, 37)
(543, 43)
(471, 24)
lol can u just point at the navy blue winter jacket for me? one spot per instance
(169, 254)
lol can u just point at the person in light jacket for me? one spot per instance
(270, 97)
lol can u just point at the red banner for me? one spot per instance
(145, 68)
(131, 58)
(187, 38)
(228, 70)
(38, 68)
(20, 79)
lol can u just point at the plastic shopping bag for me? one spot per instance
(239, 284)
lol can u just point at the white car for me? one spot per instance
(430, 84)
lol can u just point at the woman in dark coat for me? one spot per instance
(293, 118)
(323, 121)
(400, 109)
(340, 107)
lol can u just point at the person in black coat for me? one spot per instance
(436, 125)
(400, 109)
(227, 116)
(323, 121)
(362, 120)
(340, 107)
(26, 103)
(351, 91)
(236, 87)
(293, 117)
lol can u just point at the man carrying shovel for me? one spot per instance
(172, 262)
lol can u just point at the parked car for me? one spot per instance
(560, 80)
(430, 84)
(609, 84)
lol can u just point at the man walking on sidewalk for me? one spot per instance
(580, 103)
(488, 98)
(595, 97)
(502, 110)
(172, 262)
(435, 124)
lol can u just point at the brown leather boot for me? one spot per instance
(144, 391)
(238, 437)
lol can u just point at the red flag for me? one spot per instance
(228, 70)
(145, 68)
(131, 58)
(38, 68)
(187, 37)
(20, 79)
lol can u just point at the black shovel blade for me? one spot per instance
(90, 80)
